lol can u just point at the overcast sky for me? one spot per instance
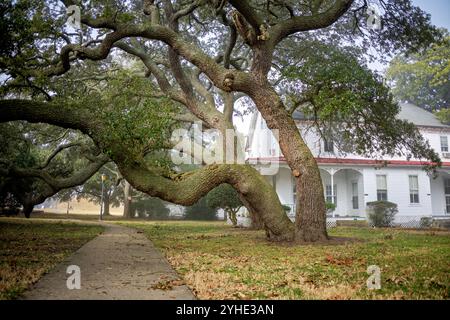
(439, 10)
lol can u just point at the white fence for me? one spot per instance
(416, 222)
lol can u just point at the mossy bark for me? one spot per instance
(186, 189)
(310, 221)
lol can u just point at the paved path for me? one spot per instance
(121, 263)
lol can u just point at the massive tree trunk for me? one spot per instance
(310, 220)
(27, 209)
(256, 222)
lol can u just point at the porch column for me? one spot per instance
(332, 189)
(370, 187)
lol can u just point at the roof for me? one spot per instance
(348, 161)
(419, 116)
(408, 111)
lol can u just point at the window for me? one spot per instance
(329, 196)
(444, 144)
(381, 188)
(447, 186)
(328, 145)
(447, 203)
(355, 199)
(273, 145)
(413, 189)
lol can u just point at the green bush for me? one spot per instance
(330, 207)
(426, 222)
(381, 214)
(286, 208)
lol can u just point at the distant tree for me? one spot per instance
(148, 207)
(39, 160)
(201, 211)
(422, 78)
(225, 197)
(443, 115)
(91, 190)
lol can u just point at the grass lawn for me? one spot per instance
(29, 248)
(221, 262)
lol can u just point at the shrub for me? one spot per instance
(426, 222)
(286, 208)
(330, 207)
(381, 213)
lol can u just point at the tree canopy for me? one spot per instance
(422, 78)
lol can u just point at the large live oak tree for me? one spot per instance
(204, 55)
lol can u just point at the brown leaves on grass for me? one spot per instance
(242, 265)
(345, 261)
(168, 284)
(29, 249)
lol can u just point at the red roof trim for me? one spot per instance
(355, 161)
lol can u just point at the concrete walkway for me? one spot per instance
(121, 263)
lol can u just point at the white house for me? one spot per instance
(350, 181)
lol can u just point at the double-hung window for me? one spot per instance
(355, 198)
(413, 189)
(330, 194)
(381, 188)
(444, 143)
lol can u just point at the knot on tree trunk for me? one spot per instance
(263, 33)
(228, 82)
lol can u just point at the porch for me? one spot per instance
(343, 187)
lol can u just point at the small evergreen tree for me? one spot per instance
(226, 198)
